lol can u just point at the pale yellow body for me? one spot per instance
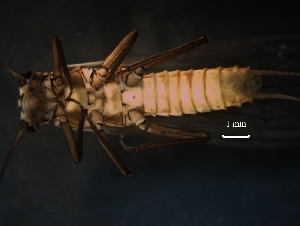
(171, 93)
(176, 93)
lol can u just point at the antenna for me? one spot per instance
(21, 131)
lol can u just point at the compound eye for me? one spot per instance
(26, 125)
(27, 74)
(30, 129)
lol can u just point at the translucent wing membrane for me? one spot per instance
(161, 58)
(271, 122)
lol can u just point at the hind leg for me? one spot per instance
(184, 136)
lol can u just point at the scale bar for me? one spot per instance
(236, 136)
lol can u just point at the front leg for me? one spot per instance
(61, 75)
(61, 79)
(185, 136)
(74, 147)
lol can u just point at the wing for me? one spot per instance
(278, 52)
(270, 123)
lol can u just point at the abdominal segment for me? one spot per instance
(177, 92)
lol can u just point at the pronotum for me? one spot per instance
(84, 98)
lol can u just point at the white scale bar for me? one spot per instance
(236, 136)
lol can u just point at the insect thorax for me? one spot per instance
(166, 93)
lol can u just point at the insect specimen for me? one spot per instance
(81, 97)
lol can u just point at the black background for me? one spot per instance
(195, 184)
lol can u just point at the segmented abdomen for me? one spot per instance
(188, 92)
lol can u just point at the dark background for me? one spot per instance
(195, 184)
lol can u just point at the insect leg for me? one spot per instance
(134, 73)
(59, 63)
(80, 133)
(95, 120)
(186, 136)
(61, 76)
(113, 61)
(75, 148)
